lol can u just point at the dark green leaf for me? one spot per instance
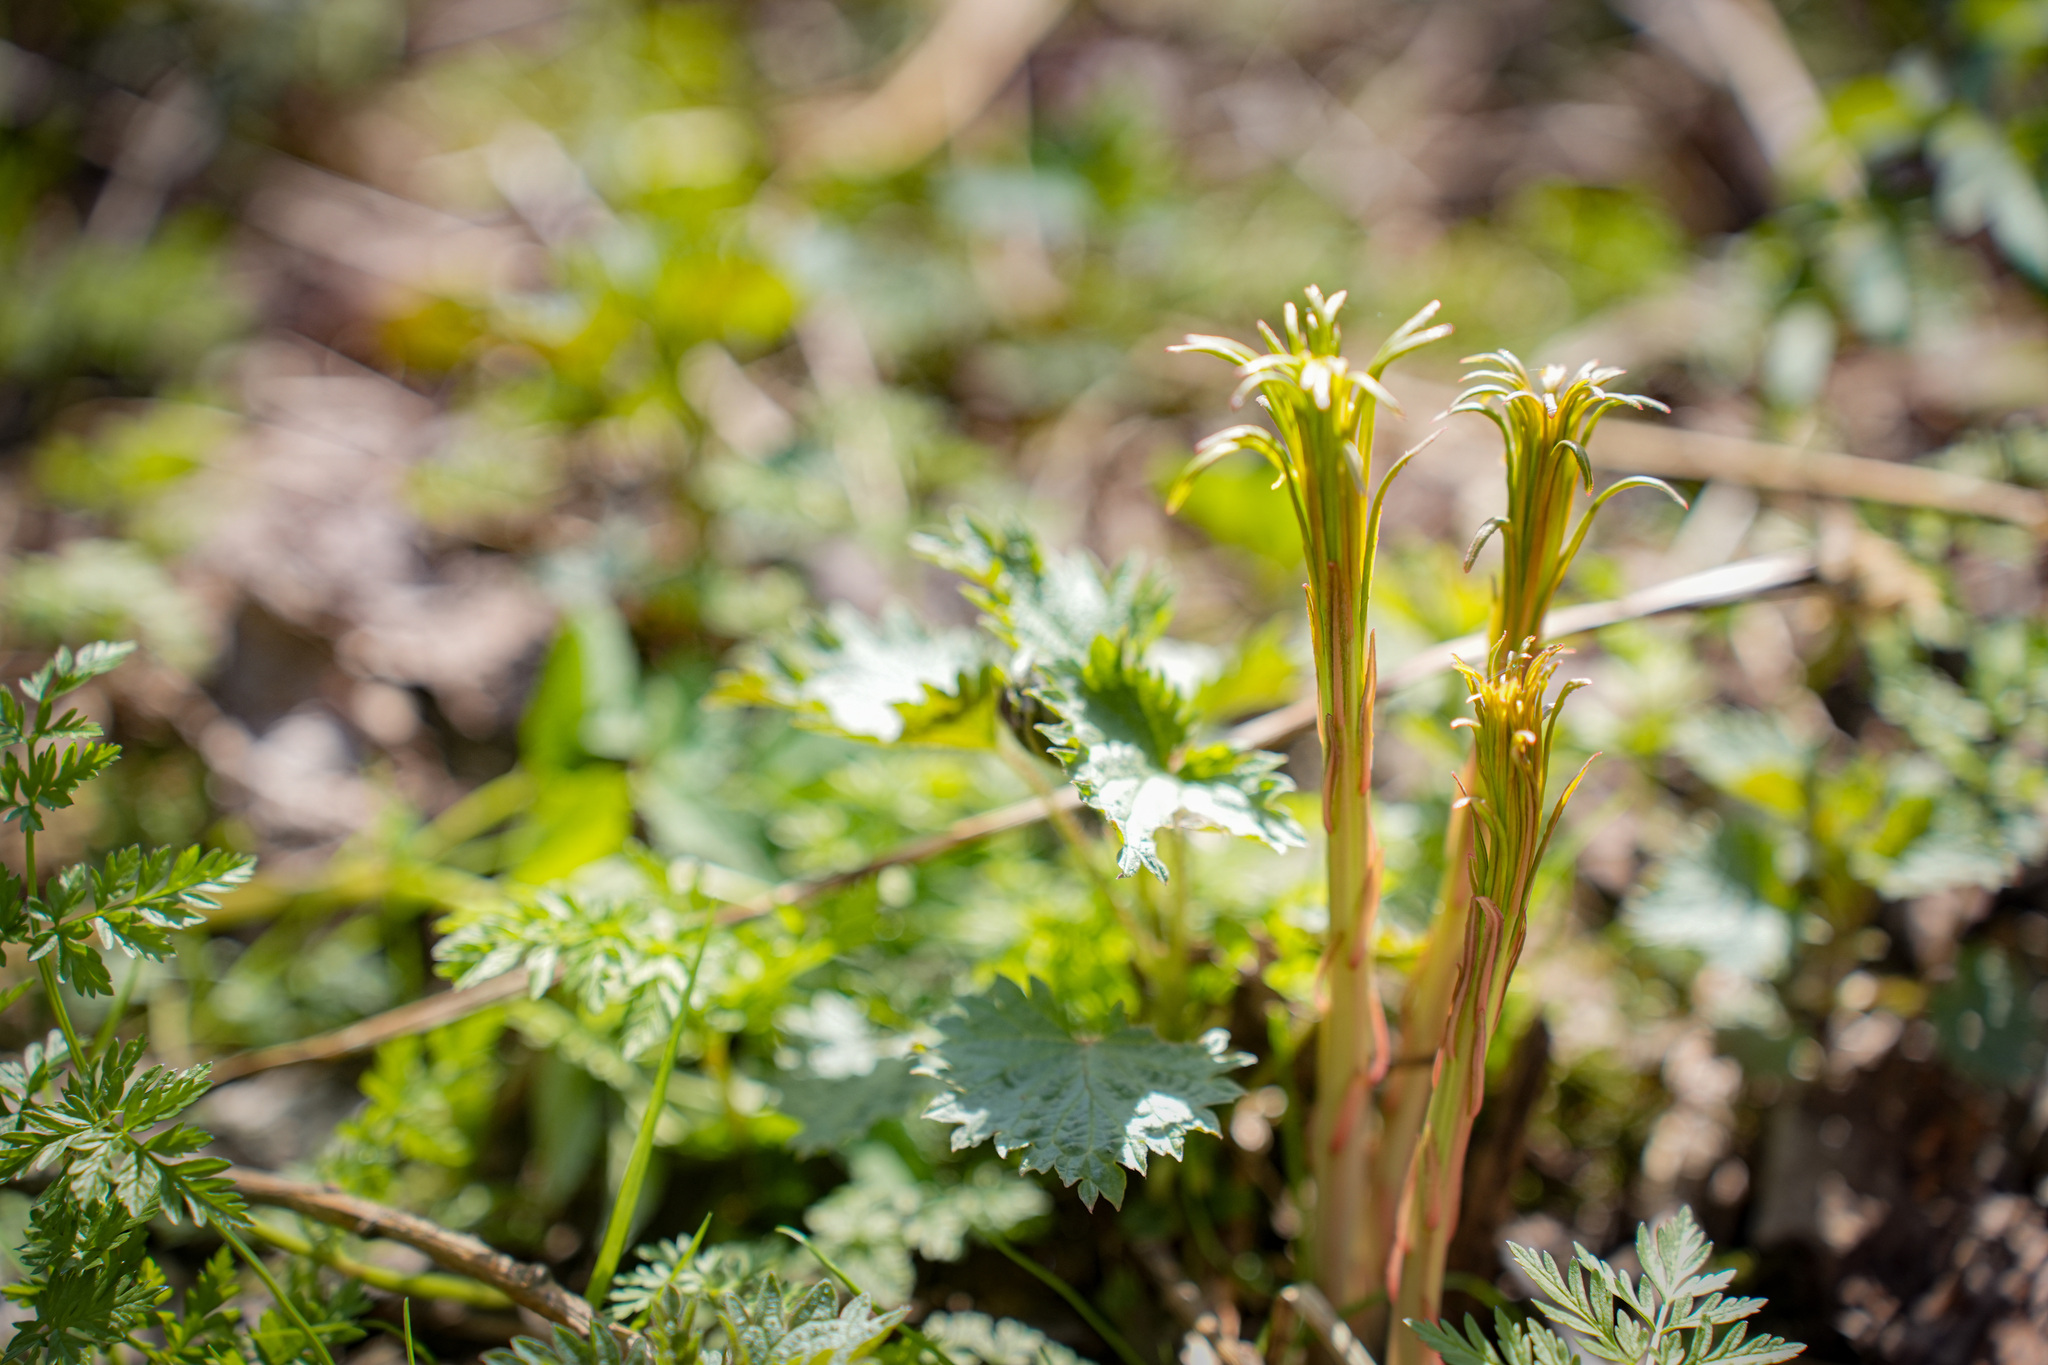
(1082, 1106)
(838, 1111)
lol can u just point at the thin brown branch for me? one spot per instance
(1316, 1311)
(1185, 1300)
(942, 84)
(1634, 446)
(430, 1012)
(1734, 582)
(529, 1286)
(1675, 453)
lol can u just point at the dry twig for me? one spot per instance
(938, 89)
(1633, 446)
(529, 1286)
(429, 1012)
(1316, 1311)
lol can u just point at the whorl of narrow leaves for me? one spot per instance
(1321, 403)
(1082, 1106)
(1546, 422)
(1672, 1315)
(1514, 728)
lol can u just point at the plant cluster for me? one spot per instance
(1069, 670)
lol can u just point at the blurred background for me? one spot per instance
(442, 391)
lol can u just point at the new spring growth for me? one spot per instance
(1320, 448)
(1321, 405)
(1514, 724)
(1546, 423)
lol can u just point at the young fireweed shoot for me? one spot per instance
(1514, 725)
(1322, 409)
(1546, 420)
(1546, 423)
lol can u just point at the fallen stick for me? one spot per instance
(942, 84)
(418, 1016)
(1736, 582)
(529, 1286)
(1316, 1311)
(1634, 446)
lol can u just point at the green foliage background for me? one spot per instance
(445, 394)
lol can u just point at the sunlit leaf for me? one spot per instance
(1084, 1106)
(891, 681)
(1122, 732)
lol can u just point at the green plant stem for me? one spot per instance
(105, 1036)
(429, 1284)
(1085, 852)
(620, 1225)
(1176, 935)
(284, 1300)
(1089, 1313)
(47, 967)
(1426, 1012)
(1515, 726)
(80, 1058)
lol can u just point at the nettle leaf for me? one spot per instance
(1723, 898)
(891, 681)
(1963, 845)
(1049, 608)
(1750, 755)
(1121, 734)
(838, 1111)
(1080, 1105)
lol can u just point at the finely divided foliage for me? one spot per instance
(764, 1323)
(95, 1120)
(1672, 1315)
(1081, 1106)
